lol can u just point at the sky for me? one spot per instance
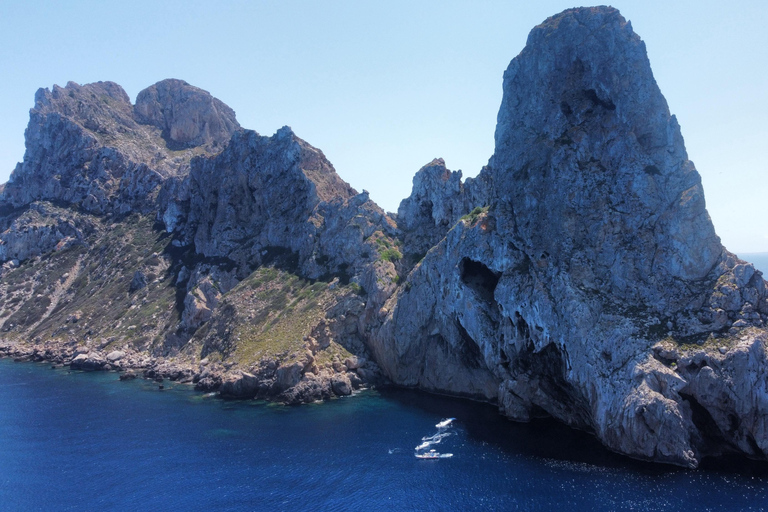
(382, 88)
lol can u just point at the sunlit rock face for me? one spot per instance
(188, 116)
(577, 276)
(592, 287)
(88, 146)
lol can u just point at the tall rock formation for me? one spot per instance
(593, 288)
(87, 269)
(578, 276)
(89, 148)
(438, 199)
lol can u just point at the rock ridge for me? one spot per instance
(578, 276)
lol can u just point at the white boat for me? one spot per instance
(432, 454)
(445, 423)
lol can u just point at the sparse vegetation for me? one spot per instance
(391, 255)
(268, 314)
(472, 216)
(92, 284)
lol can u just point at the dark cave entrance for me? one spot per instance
(479, 277)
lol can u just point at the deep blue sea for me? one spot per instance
(85, 441)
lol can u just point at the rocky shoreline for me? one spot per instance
(578, 276)
(288, 384)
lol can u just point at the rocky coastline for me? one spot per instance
(269, 381)
(578, 276)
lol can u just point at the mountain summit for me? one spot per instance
(578, 276)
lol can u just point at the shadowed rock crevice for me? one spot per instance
(709, 437)
(552, 393)
(591, 95)
(470, 352)
(479, 278)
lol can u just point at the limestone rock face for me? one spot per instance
(578, 276)
(275, 199)
(594, 253)
(70, 158)
(436, 202)
(41, 229)
(87, 146)
(594, 164)
(256, 187)
(188, 116)
(89, 149)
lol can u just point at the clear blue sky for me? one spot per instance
(384, 87)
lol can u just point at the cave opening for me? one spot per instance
(479, 278)
(710, 437)
(557, 397)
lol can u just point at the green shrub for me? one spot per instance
(391, 254)
(474, 214)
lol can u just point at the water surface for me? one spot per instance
(74, 441)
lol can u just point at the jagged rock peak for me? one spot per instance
(61, 95)
(187, 115)
(433, 187)
(437, 200)
(276, 182)
(99, 107)
(593, 163)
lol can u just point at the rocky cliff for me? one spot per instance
(577, 276)
(591, 286)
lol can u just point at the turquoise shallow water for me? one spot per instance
(75, 441)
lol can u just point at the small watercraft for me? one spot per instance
(432, 454)
(445, 423)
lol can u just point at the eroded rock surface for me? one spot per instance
(577, 276)
(188, 116)
(595, 246)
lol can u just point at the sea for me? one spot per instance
(87, 441)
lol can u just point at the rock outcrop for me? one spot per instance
(89, 149)
(86, 268)
(578, 276)
(437, 201)
(595, 250)
(188, 116)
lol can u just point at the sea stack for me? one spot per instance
(589, 284)
(578, 276)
